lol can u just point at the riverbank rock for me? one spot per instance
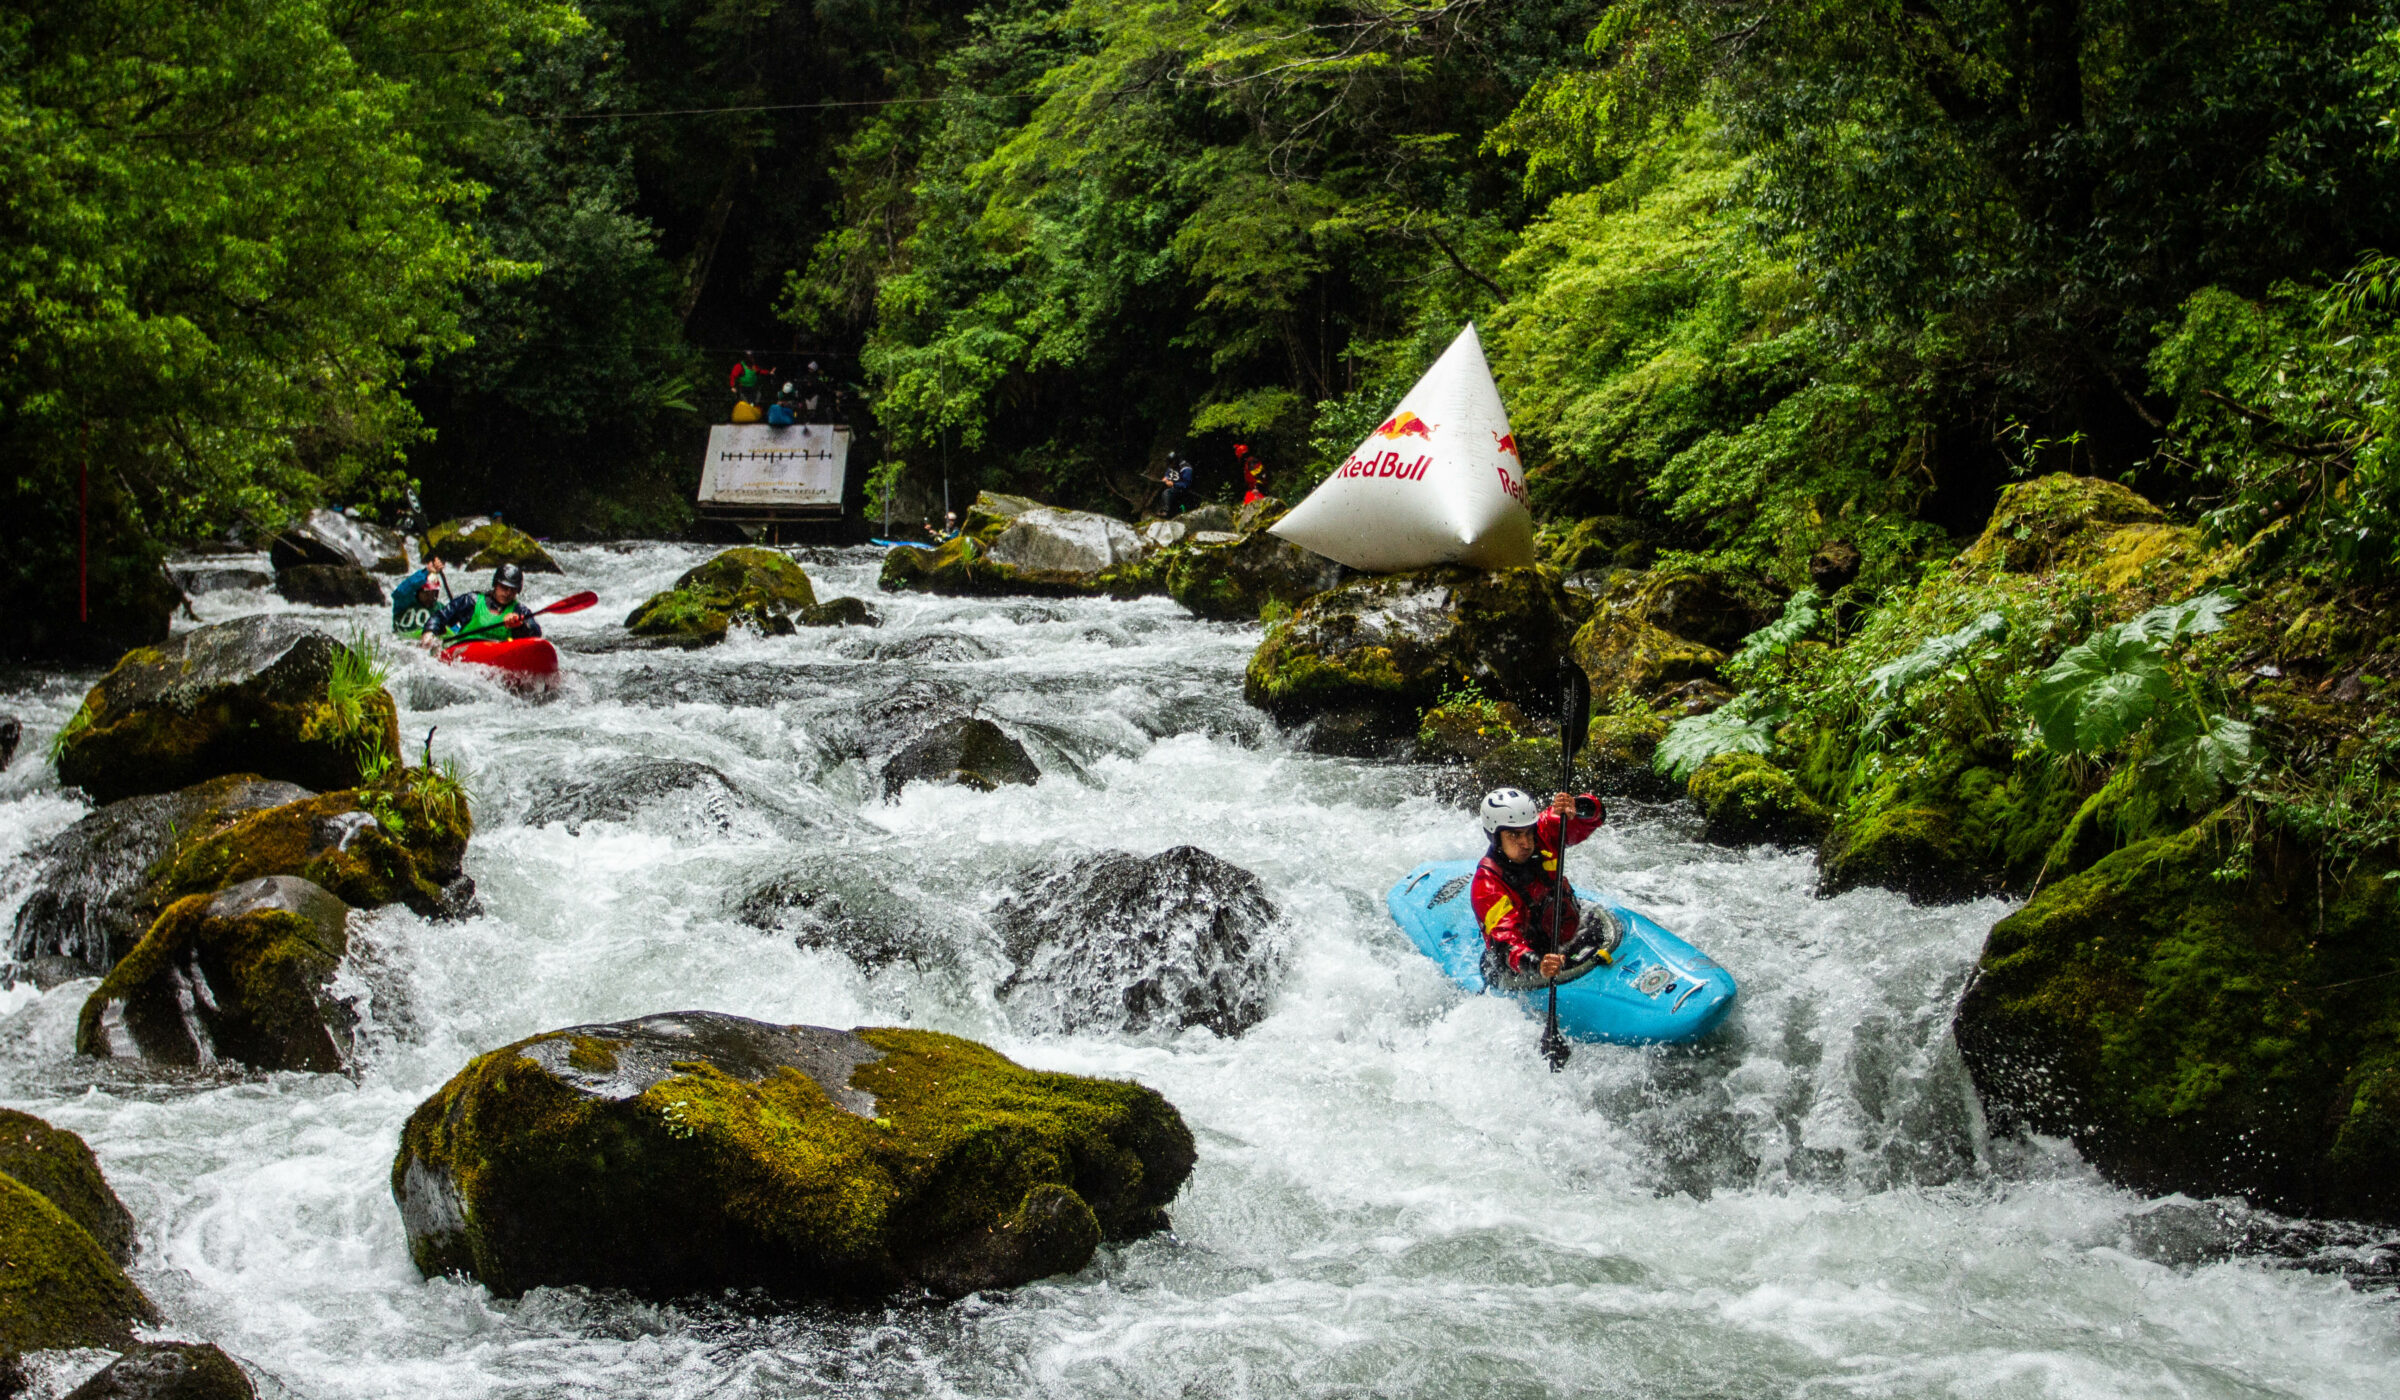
(1049, 540)
(1915, 850)
(1494, 745)
(332, 539)
(198, 581)
(762, 589)
(242, 975)
(1236, 582)
(1011, 545)
(62, 1168)
(838, 612)
(2203, 1029)
(12, 733)
(59, 1287)
(1650, 633)
(480, 542)
(257, 695)
(1744, 799)
(970, 751)
(168, 1371)
(400, 840)
(700, 1151)
(1140, 944)
(328, 586)
(1388, 646)
(86, 899)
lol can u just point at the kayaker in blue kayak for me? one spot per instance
(1516, 883)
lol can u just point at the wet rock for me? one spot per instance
(328, 586)
(1140, 944)
(168, 1371)
(1743, 799)
(1235, 582)
(970, 751)
(58, 1164)
(761, 589)
(1012, 545)
(1614, 761)
(199, 581)
(89, 898)
(993, 511)
(12, 733)
(885, 723)
(1652, 633)
(838, 612)
(2195, 1029)
(256, 695)
(48, 970)
(1252, 516)
(480, 542)
(1208, 517)
(1050, 540)
(1162, 534)
(700, 1151)
(621, 790)
(59, 1287)
(1693, 697)
(243, 975)
(1395, 643)
(1354, 731)
(861, 920)
(1914, 850)
(1597, 543)
(332, 539)
(1834, 566)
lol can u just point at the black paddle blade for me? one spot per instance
(1574, 706)
(1554, 1045)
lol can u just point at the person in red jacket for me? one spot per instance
(1517, 882)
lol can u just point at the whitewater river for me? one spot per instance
(1394, 1197)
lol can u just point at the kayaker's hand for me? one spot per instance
(1551, 963)
(1562, 806)
(515, 619)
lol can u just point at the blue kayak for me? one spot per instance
(1658, 990)
(902, 544)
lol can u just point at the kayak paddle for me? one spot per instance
(572, 603)
(1574, 720)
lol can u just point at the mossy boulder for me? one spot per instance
(1916, 850)
(59, 1288)
(168, 1371)
(699, 1151)
(243, 975)
(58, 1164)
(480, 542)
(762, 589)
(2201, 1024)
(1596, 542)
(1392, 644)
(1744, 799)
(328, 586)
(1014, 546)
(838, 612)
(970, 751)
(89, 898)
(1614, 761)
(1234, 582)
(1650, 633)
(256, 695)
(2056, 521)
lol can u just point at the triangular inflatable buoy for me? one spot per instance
(1437, 483)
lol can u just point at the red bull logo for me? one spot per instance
(1385, 464)
(1508, 443)
(1405, 424)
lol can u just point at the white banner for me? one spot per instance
(751, 464)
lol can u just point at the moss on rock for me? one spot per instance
(1235, 582)
(58, 1164)
(2197, 1028)
(1915, 850)
(1745, 799)
(757, 588)
(966, 567)
(717, 1151)
(257, 695)
(480, 542)
(59, 1287)
(169, 1371)
(401, 840)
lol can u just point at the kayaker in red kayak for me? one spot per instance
(489, 616)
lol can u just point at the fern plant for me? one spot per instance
(1694, 740)
(2132, 688)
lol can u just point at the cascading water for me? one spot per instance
(1394, 1196)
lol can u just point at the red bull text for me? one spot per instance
(1386, 464)
(1509, 484)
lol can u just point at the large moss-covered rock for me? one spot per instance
(970, 751)
(702, 1151)
(328, 586)
(1915, 850)
(89, 898)
(256, 695)
(2198, 1027)
(330, 538)
(480, 542)
(1234, 582)
(168, 1371)
(762, 589)
(1652, 632)
(58, 1287)
(58, 1164)
(243, 975)
(1010, 545)
(1393, 644)
(1745, 799)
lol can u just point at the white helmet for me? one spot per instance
(1508, 807)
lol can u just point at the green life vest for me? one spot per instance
(489, 624)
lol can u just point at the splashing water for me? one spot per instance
(1394, 1197)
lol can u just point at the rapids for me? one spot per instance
(1394, 1197)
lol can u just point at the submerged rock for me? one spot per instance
(256, 695)
(243, 975)
(621, 790)
(1235, 582)
(480, 542)
(761, 589)
(328, 586)
(332, 539)
(59, 1287)
(970, 751)
(1392, 644)
(838, 612)
(168, 1371)
(198, 581)
(862, 920)
(58, 1164)
(1140, 944)
(88, 897)
(12, 733)
(700, 1151)
(1744, 799)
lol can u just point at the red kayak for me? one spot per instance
(529, 658)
